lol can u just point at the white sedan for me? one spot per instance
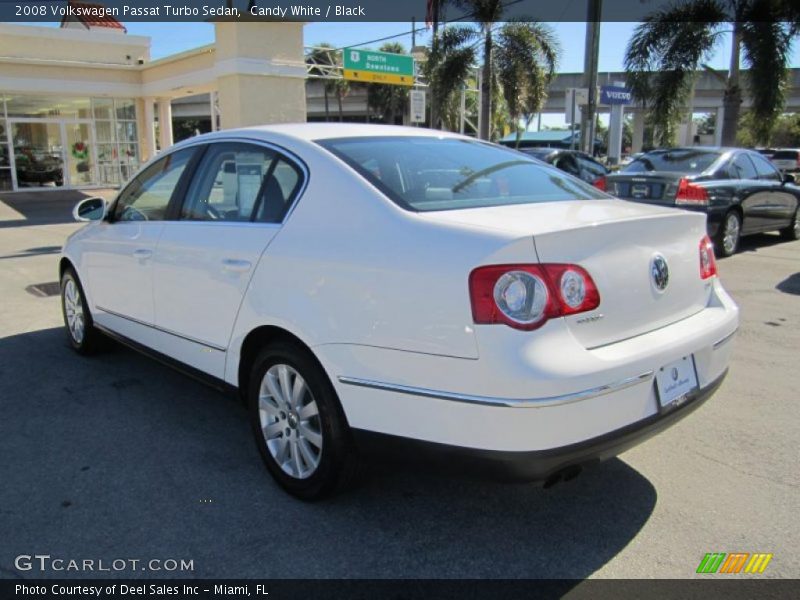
(378, 286)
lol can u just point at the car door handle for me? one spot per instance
(142, 253)
(239, 266)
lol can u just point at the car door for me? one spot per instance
(779, 213)
(118, 255)
(754, 194)
(232, 209)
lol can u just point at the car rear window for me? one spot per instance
(785, 155)
(429, 173)
(680, 160)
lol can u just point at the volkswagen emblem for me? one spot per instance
(659, 272)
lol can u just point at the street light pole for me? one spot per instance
(590, 63)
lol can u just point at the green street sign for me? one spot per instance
(378, 67)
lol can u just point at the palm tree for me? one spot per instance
(673, 43)
(525, 57)
(521, 56)
(388, 100)
(451, 59)
(487, 13)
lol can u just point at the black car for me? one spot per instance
(573, 162)
(741, 191)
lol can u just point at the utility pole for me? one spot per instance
(590, 62)
(434, 52)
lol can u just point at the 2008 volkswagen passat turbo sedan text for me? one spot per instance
(366, 285)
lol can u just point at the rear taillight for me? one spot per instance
(708, 264)
(600, 183)
(691, 194)
(526, 296)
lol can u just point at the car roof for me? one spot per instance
(720, 149)
(321, 131)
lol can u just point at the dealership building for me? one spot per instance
(83, 105)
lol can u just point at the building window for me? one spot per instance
(5, 153)
(117, 139)
(54, 140)
(47, 107)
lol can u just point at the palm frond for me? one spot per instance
(525, 60)
(485, 12)
(766, 44)
(450, 62)
(664, 53)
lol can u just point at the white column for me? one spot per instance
(165, 123)
(615, 124)
(718, 126)
(149, 129)
(638, 131)
(214, 105)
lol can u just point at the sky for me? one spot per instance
(171, 38)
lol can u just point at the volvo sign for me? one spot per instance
(611, 94)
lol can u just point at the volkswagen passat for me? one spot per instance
(363, 284)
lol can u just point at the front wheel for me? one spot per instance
(300, 428)
(793, 231)
(81, 333)
(729, 234)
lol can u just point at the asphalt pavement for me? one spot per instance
(119, 457)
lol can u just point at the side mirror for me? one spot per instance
(788, 178)
(90, 209)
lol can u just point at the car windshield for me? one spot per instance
(786, 154)
(430, 173)
(689, 160)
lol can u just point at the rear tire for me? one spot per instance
(730, 232)
(793, 231)
(82, 335)
(299, 425)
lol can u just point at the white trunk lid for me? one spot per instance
(616, 242)
(619, 256)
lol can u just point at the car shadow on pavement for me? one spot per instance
(790, 285)
(754, 243)
(43, 207)
(118, 456)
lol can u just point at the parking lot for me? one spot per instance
(117, 456)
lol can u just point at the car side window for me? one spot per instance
(765, 169)
(742, 168)
(241, 182)
(147, 197)
(280, 191)
(567, 163)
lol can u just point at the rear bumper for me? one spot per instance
(527, 393)
(540, 465)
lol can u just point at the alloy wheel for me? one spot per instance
(290, 421)
(730, 237)
(73, 308)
